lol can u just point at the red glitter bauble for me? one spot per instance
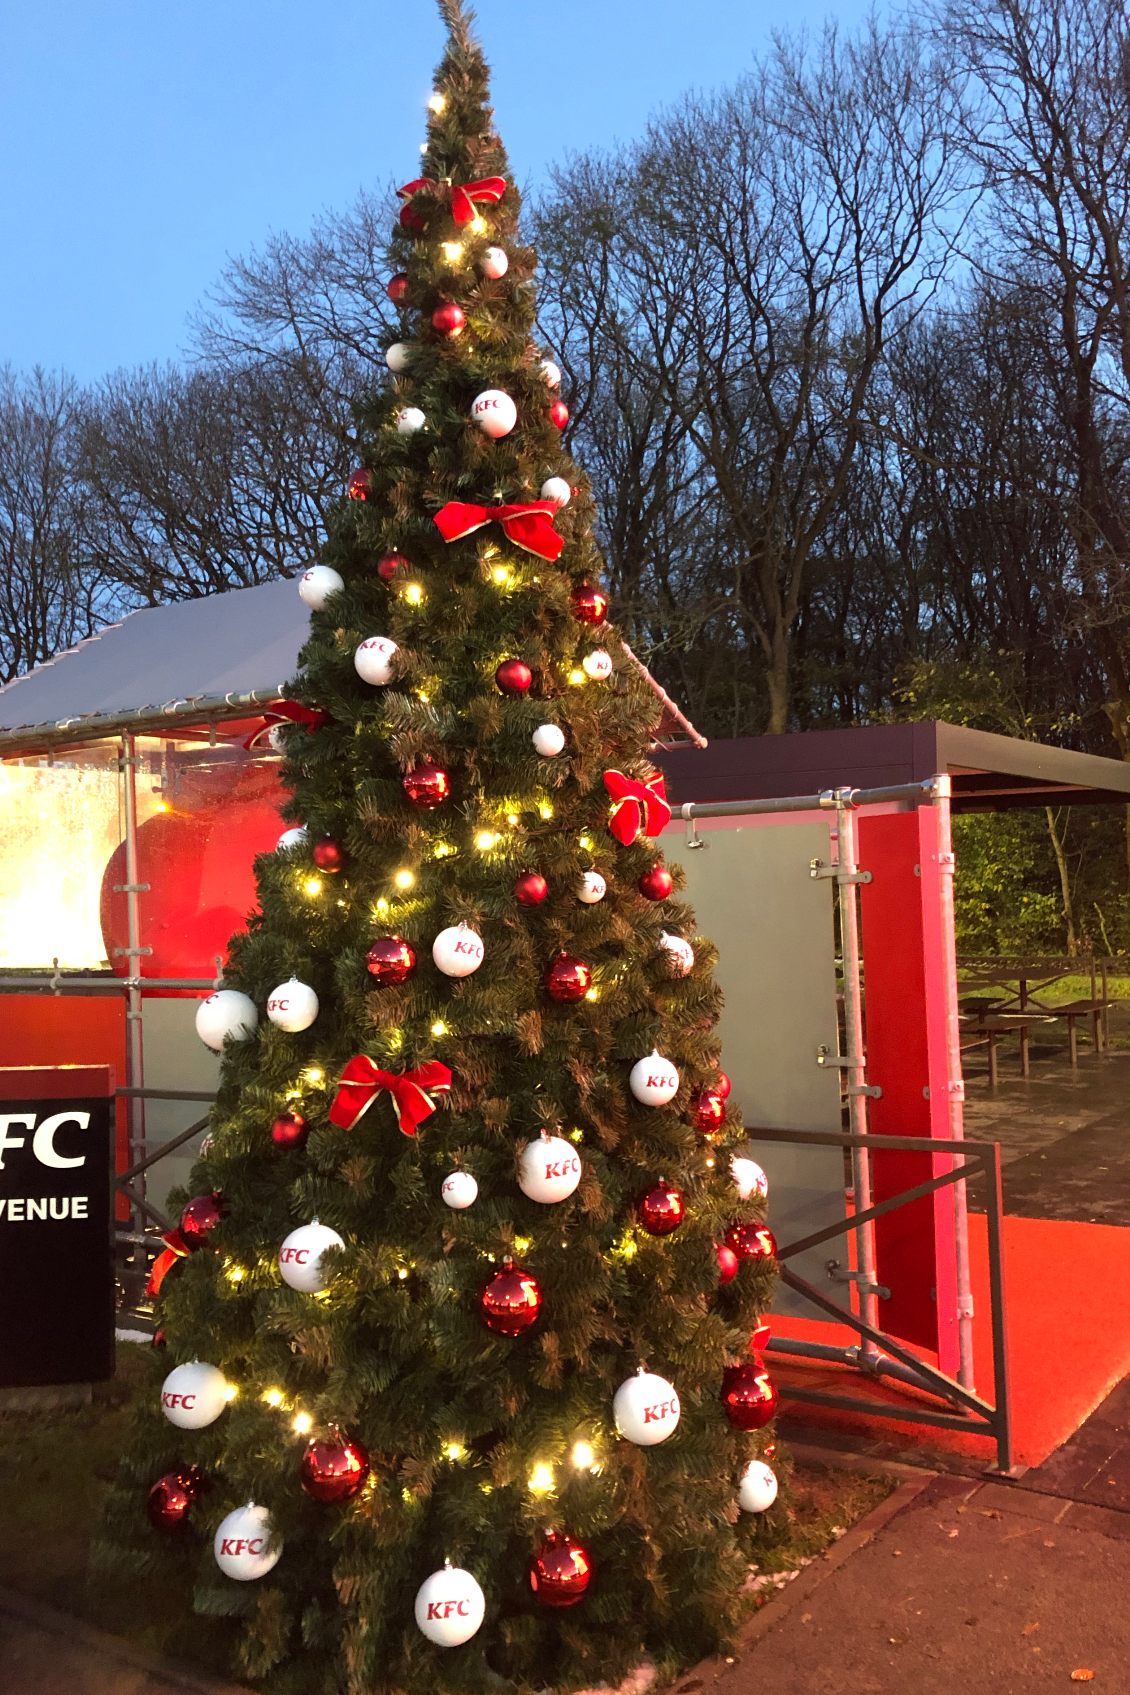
(412, 220)
(723, 1086)
(397, 287)
(360, 483)
(513, 676)
(333, 1469)
(657, 883)
(289, 1130)
(568, 979)
(389, 563)
(531, 888)
(752, 1241)
(560, 1571)
(509, 1303)
(199, 1218)
(709, 1110)
(660, 1210)
(748, 1395)
(448, 319)
(391, 960)
(559, 414)
(590, 604)
(727, 1263)
(327, 854)
(427, 786)
(169, 1499)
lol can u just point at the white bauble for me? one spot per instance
(557, 490)
(654, 1080)
(242, 1544)
(293, 1006)
(373, 660)
(549, 1169)
(226, 1015)
(551, 373)
(317, 584)
(494, 263)
(749, 1179)
(679, 952)
(449, 1607)
(593, 888)
(459, 1190)
(548, 740)
(300, 1257)
(458, 950)
(399, 356)
(646, 1409)
(194, 1395)
(597, 664)
(409, 420)
(758, 1488)
(296, 838)
(494, 412)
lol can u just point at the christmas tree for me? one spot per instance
(457, 1388)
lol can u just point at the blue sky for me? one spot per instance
(141, 141)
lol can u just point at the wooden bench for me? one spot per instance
(990, 1029)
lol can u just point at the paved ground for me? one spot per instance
(45, 1653)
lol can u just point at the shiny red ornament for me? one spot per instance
(723, 1086)
(289, 1130)
(513, 676)
(199, 1218)
(427, 786)
(448, 319)
(333, 1469)
(360, 483)
(388, 565)
(391, 960)
(657, 883)
(568, 979)
(560, 1571)
(709, 1110)
(590, 604)
(660, 1209)
(509, 1303)
(559, 414)
(168, 1501)
(727, 1263)
(752, 1241)
(748, 1394)
(397, 288)
(327, 854)
(412, 220)
(531, 888)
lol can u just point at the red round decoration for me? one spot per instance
(559, 414)
(391, 960)
(531, 888)
(412, 220)
(289, 1130)
(426, 786)
(748, 1394)
(513, 676)
(327, 854)
(657, 883)
(509, 1303)
(752, 1241)
(709, 1110)
(723, 1086)
(333, 1469)
(727, 1263)
(660, 1210)
(448, 319)
(160, 1340)
(389, 564)
(397, 287)
(360, 483)
(568, 979)
(590, 604)
(169, 1499)
(199, 1218)
(560, 1571)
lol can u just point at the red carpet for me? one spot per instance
(1067, 1289)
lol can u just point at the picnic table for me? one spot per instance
(1033, 978)
(987, 1029)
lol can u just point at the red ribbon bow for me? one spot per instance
(362, 1082)
(287, 712)
(528, 526)
(176, 1248)
(463, 196)
(633, 803)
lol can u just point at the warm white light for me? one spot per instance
(302, 1424)
(455, 1450)
(586, 843)
(235, 1274)
(436, 103)
(545, 810)
(439, 1028)
(405, 879)
(60, 828)
(413, 593)
(576, 1135)
(273, 1397)
(381, 907)
(230, 1392)
(541, 1480)
(452, 251)
(477, 225)
(576, 676)
(313, 885)
(583, 1456)
(312, 1074)
(512, 818)
(442, 849)
(522, 1244)
(592, 994)
(403, 1273)
(501, 575)
(485, 840)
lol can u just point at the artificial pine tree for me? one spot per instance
(410, 1397)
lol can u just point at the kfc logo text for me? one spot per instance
(293, 1256)
(175, 1400)
(444, 1609)
(237, 1544)
(660, 1411)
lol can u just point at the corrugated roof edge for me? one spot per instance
(31, 738)
(87, 641)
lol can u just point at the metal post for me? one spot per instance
(135, 1056)
(1002, 1392)
(955, 1082)
(855, 1070)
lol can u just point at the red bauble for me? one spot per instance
(199, 1218)
(752, 1241)
(360, 484)
(560, 1571)
(723, 1086)
(391, 960)
(748, 1395)
(509, 1303)
(427, 786)
(397, 287)
(590, 604)
(709, 1110)
(657, 883)
(568, 979)
(389, 564)
(412, 220)
(660, 1210)
(169, 1499)
(531, 888)
(333, 1469)
(448, 319)
(327, 854)
(160, 1340)
(289, 1130)
(727, 1263)
(559, 414)
(513, 676)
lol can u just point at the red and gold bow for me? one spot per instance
(287, 712)
(176, 1248)
(463, 195)
(362, 1082)
(528, 526)
(635, 803)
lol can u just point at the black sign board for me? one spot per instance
(56, 1269)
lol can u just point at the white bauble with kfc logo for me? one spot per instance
(654, 1080)
(449, 1606)
(194, 1395)
(646, 1409)
(758, 1488)
(243, 1545)
(549, 1169)
(292, 1006)
(226, 1016)
(458, 950)
(494, 412)
(300, 1257)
